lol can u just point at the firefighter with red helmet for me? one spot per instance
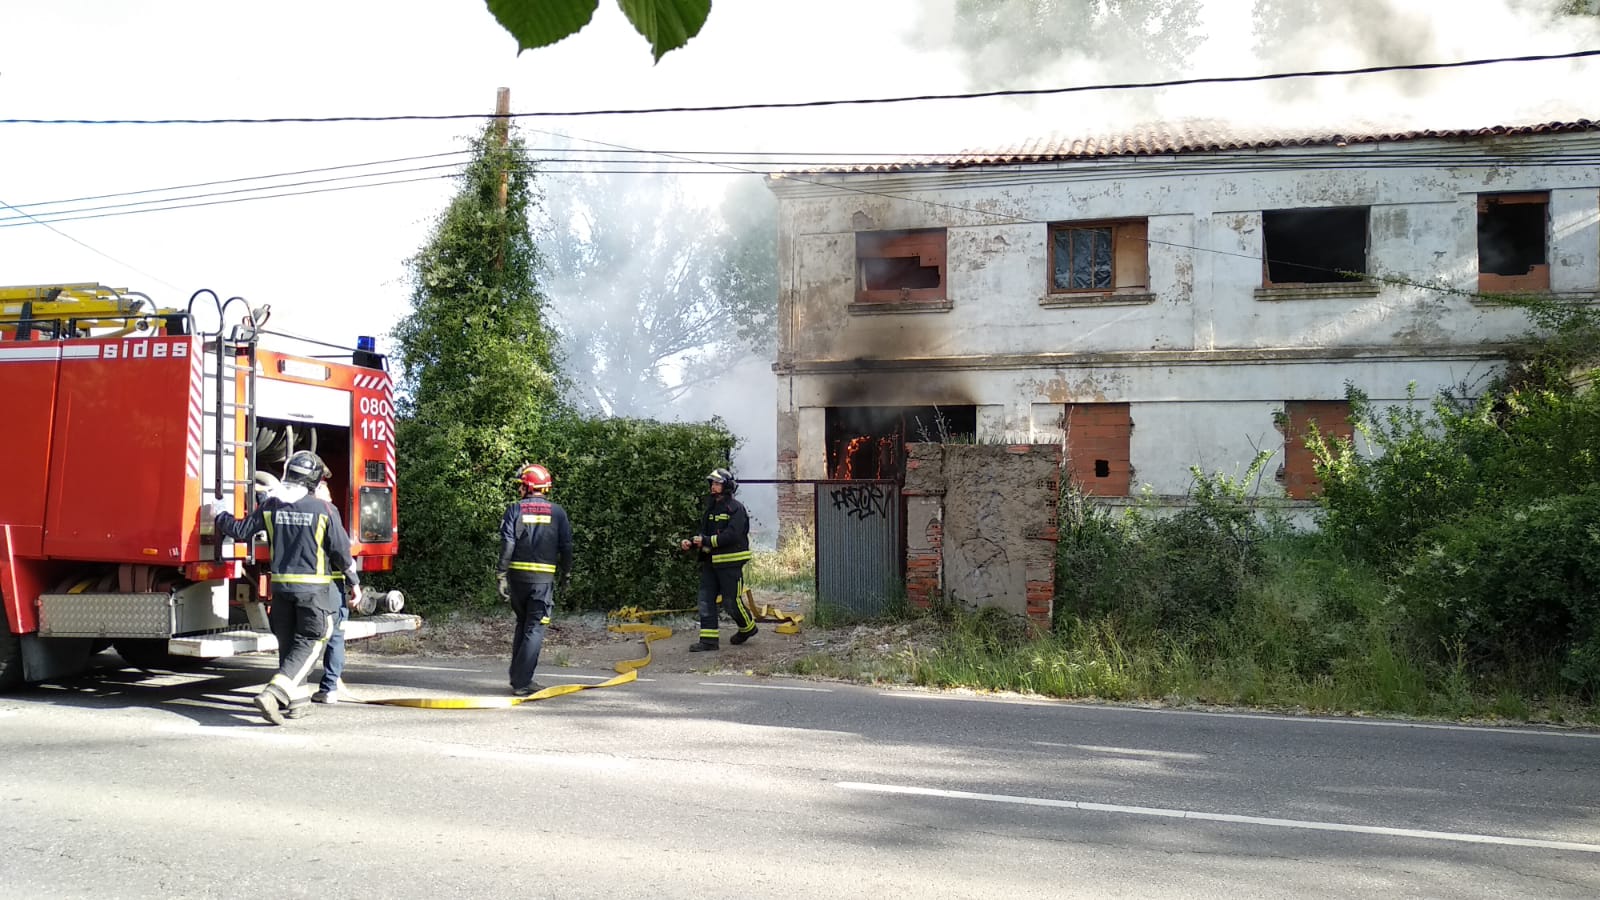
(724, 547)
(309, 545)
(535, 552)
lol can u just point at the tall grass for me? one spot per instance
(1310, 632)
(791, 567)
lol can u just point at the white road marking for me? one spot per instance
(1127, 751)
(1456, 836)
(586, 763)
(249, 732)
(1264, 717)
(765, 687)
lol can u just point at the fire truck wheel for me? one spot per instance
(10, 658)
(144, 653)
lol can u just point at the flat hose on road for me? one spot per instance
(634, 621)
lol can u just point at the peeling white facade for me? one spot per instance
(1207, 355)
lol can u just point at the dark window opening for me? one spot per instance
(1512, 242)
(1102, 468)
(870, 441)
(900, 265)
(374, 471)
(1314, 246)
(898, 272)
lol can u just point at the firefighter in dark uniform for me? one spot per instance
(309, 545)
(724, 547)
(535, 552)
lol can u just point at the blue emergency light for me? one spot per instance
(367, 343)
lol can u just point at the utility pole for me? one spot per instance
(502, 131)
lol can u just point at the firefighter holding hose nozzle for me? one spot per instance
(723, 545)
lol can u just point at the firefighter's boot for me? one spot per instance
(271, 707)
(702, 645)
(740, 637)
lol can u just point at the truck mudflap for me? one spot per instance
(232, 642)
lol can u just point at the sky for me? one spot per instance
(331, 265)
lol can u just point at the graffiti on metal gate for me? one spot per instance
(861, 501)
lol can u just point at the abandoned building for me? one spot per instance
(1159, 300)
(1162, 300)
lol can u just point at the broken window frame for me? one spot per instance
(1130, 257)
(1537, 278)
(927, 245)
(1335, 278)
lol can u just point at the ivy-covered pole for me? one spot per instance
(479, 383)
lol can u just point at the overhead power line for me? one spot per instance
(812, 104)
(1580, 151)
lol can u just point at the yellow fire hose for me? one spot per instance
(628, 620)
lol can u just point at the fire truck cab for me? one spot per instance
(122, 420)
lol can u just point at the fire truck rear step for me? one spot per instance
(246, 640)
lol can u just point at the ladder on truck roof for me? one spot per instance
(59, 311)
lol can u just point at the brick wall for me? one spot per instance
(796, 502)
(1097, 447)
(981, 526)
(924, 496)
(1298, 473)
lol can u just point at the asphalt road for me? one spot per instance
(131, 784)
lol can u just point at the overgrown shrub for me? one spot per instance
(1152, 573)
(1513, 587)
(1453, 459)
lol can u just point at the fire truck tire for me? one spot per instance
(10, 658)
(145, 653)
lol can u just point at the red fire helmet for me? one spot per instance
(535, 478)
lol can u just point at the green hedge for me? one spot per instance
(631, 487)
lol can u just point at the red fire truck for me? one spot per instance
(118, 421)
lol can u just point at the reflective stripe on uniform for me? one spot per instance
(268, 516)
(720, 517)
(296, 578)
(740, 556)
(322, 557)
(709, 634)
(534, 567)
(536, 520)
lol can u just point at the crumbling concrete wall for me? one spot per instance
(981, 525)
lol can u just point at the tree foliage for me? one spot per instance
(666, 24)
(653, 294)
(478, 372)
(746, 275)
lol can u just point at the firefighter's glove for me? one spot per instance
(504, 586)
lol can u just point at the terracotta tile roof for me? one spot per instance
(1192, 137)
